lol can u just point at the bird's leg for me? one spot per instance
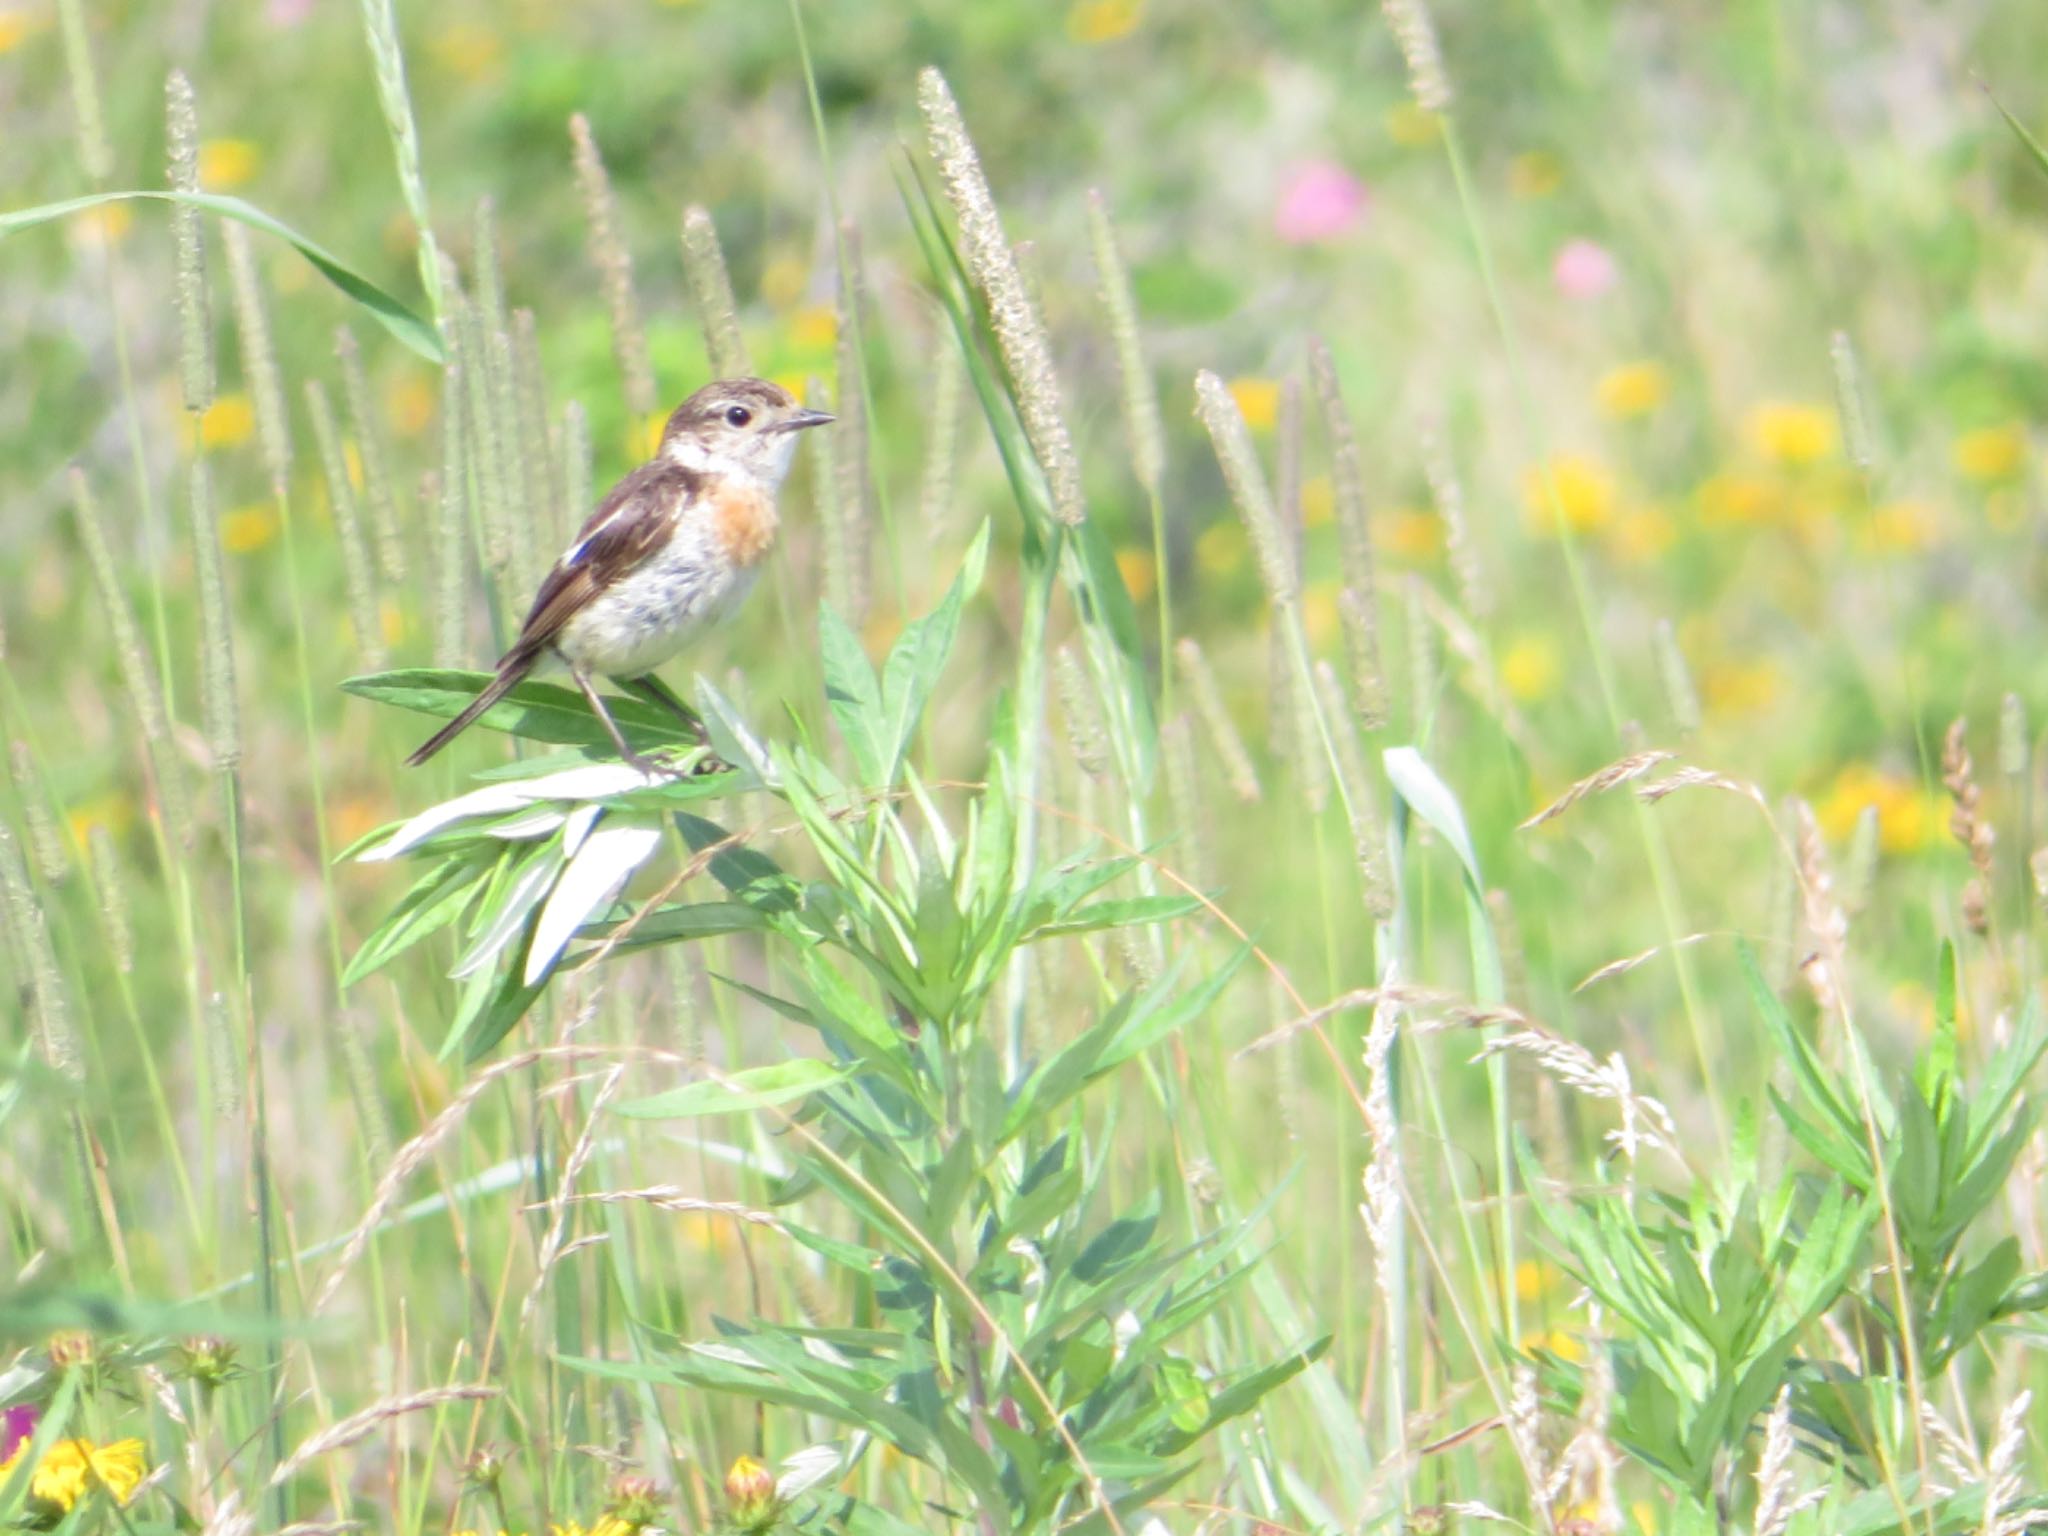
(611, 726)
(648, 686)
(653, 689)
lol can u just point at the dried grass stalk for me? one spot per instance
(360, 1426)
(1645, 1122)
(572, 1170)
(1020, 333)
(1358, 604)
(1825, 919)
(1612, 776)
(1968, 824)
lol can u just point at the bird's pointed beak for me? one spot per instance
(798, 420)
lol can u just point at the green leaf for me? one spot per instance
(2028, 142)
(535, 711)
(431, 905)
(1127, 912)
(1245, 1394)
(681, 921)
(917, 659)
(401, 322)
(755, 1088)
(853, 695)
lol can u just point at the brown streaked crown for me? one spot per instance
(707, 406)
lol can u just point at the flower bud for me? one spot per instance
(751, 1503)
(208, 1361)
(635, 1500)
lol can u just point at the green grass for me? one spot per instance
(1618, 492)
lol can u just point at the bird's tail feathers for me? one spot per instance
(511, 672)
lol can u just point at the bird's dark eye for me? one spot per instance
(738, 415)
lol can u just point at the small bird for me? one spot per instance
(670, 552)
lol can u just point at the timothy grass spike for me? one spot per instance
(110, 882)
(942, 438)
(1448, 496)
(539, 458)
(45, 844)
(94, 154)
(848, 441)
(378, 489)
(1224, 739)
(451, 585)
(1020, 333)
(615, 270)
(195, 309)
(1680, 695)
(219, 706)
(1849, 401)
(49, 999)
(1142, 424)
(1415, 34)
(1085, 732)
(137, 673)
(357, 578)
(1368, 839)
(575, 469)
(1184, 796)
(380, 28)
(1247, 484)
(259, 358)
(711, 288)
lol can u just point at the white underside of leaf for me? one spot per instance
(608, 856)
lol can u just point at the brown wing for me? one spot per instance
(636, 518)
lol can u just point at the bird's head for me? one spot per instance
(744, 425)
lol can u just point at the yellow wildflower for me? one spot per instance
(71, 1469)
(248, 528)
(1643, 534)
(1740, 688)
(409, 405)
(112, 220)
(1907, 817)
(1583, 488)
(1533, 174)
(1259, 400)
(228, 421)
(115, 812)
(1529, 670)
(1731, 499)
(1220, 548)
(1901, 525)
(15, 27)
(1555, 1341)
(225, 164)
(467, 50)
(1410, 533)
(1103, 21)
(814, 328)
(1991, 453)
(1792, 433)
(783, 279)
(1135, 565)
(1411, 126)
(1318, 501)
(1319, 616)
(1633, 389)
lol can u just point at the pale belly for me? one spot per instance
(655, 613)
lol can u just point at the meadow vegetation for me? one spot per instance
(1371, 858)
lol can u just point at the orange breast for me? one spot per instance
(743, 521)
